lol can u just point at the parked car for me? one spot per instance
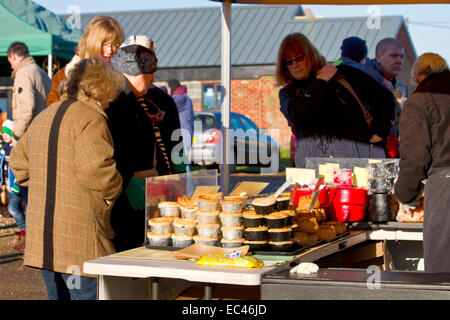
(250, 146)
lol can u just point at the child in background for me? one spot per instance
(14, 191)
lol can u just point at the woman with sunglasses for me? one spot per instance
(324, 115)
(102, 37)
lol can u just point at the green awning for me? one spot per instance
(42, 31)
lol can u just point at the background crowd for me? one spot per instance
(77, 149)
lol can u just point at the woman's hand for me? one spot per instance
(375, 138)
(327, 72)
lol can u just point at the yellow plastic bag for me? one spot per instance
(233, 259)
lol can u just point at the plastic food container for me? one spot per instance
(232, 233)
(264, 205)
(159, 239)
(169, 209)
(188, 212)
(232, 243)
(162, 225)
(208, 230)
(231, 219)
(181, 241)
(207, 217)
(208, 202)
(206, 241)
(232, 204)
(184, 227)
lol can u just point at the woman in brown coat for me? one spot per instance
(425, 154)
(66, 160)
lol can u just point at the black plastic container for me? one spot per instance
(253, 234)
(291, 217)
(280, 246)
(381, 207)
(282, 203)
(277, 235)
(294, 229)
(264, 206)
(276, 220)
(256, 245)
(253, 220)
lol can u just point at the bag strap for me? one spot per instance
(155, 119)
(50, 197)
(347, 86)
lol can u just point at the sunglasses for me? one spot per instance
(298, 59)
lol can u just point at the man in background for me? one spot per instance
(30, 90)
(388, 62)
(29, 97)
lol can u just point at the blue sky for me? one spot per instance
(429, 25)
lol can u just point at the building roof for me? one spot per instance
(192, 37)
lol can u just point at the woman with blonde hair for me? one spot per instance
(65, 158)
(425, 154)
(102, 37)
(325, 117)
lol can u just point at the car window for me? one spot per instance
(208, 121)
(234, 122)
(248, 124)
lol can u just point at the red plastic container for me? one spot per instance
(323, 195)
(348, 196)
(347, 212)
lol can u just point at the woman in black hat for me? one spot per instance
(141, 127)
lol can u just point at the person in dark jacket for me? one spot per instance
(141, 122)
(324, 116)
(186, 113)
(353, 52)
(425, 154)
(388, 62)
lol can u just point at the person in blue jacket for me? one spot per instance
(16, 194)
(186, 113)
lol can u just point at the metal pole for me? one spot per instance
(155, 288)
(208, 291)
(49, 67)
(226, 83)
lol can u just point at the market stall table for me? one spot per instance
(124, 275)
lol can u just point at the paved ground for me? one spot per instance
(16, 281)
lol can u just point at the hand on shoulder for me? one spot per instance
(326, 72)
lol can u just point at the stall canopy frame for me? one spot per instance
(226, 57)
